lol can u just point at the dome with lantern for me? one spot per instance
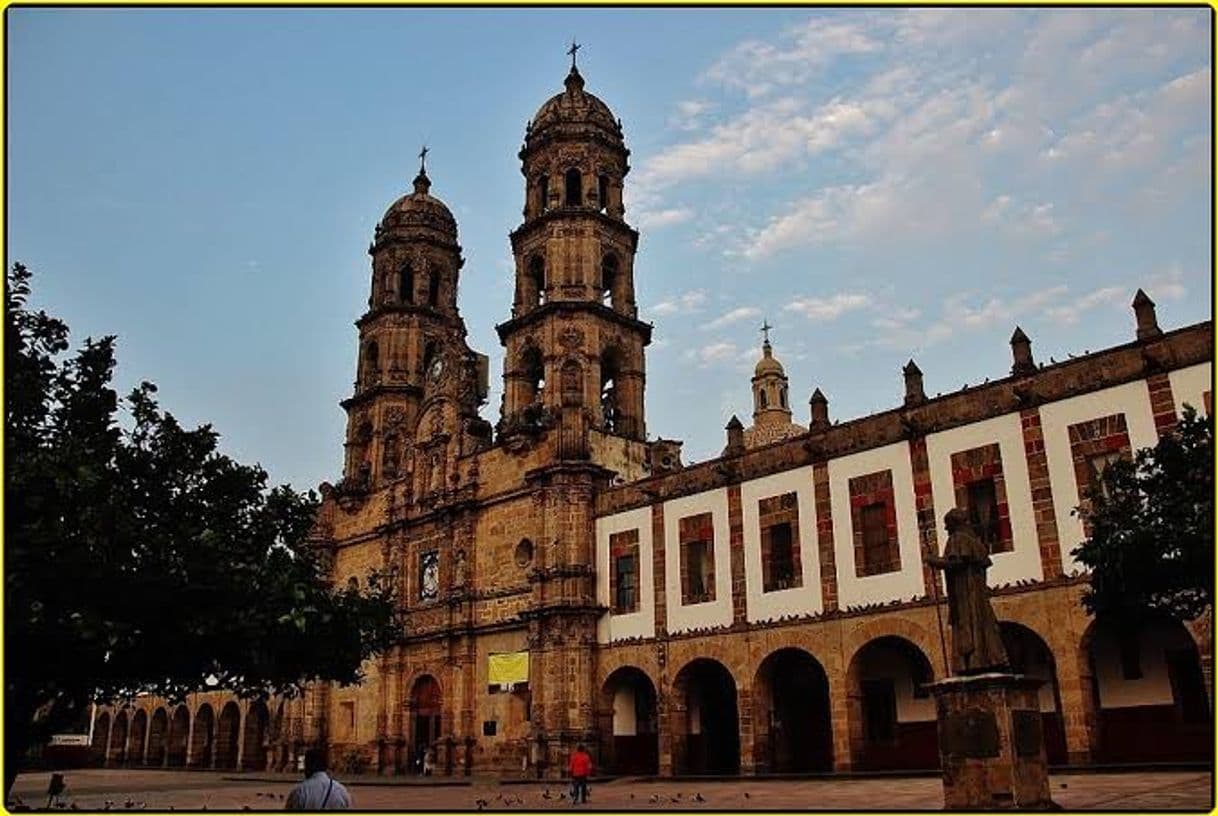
(419, 209)
(574, 113)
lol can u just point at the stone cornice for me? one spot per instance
(555, 307)
(578, 213)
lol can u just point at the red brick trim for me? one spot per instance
(622, 544)
(824, 536)
(690, 530)
(1042, 493)
(1162, 403)
(773, 511)
(657, 567)
(924, 509)
(865, 491)
(1101, 435)
(977, 464)
(735, 526)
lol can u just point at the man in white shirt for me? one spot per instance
(318, 791)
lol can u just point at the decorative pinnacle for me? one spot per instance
(1018, 336)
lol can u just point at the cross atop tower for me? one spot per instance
(423, 159)
(765, 330)
(572, 51)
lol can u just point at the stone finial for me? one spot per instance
(914, 394)
(1144, 311)
(1021, 353)
(820, 409)
(735, 436)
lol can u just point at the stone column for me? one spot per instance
(190, 741)
(109, 740)
(744, 714)
(1075, 684)
(846, 715)
(241, 712)
(147, 734)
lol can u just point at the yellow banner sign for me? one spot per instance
(506, 669)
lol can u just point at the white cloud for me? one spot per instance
(830, 308)
(1169, 283)
(712, 352)
(1071, 309)
(649, 219)
(758, 67)
(734, 316)
(689, 113)
(691, 301)
(765, 138)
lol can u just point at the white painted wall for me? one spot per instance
(625, 720)
(1131, 399)
(1189, 384)
(1154, 686)
(718, 612)
(905, 584)
(1024, 560)
(642, 623)
(805, 599)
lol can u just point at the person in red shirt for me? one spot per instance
(581, 769)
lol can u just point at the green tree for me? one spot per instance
(1151, 548)
(141, 559)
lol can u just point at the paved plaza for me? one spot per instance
(195, 790)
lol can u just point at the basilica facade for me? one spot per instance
(565, 579)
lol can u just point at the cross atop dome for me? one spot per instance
(765, 331)
(422, 184)
(572, 51)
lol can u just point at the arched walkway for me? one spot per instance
(1150, 694)
(1030, 655)
(253, 752)
(157, 731)
(135, 742)
(227, 735)
(891, 717)
(101, 736)
(203, 739)
(792, 722)
(704, 721)
(629, 718)
(179, 732)
(426, 706)
(118, 740)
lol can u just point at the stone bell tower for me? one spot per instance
(574, 338)
(412, 351)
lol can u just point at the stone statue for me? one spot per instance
(459, 570)
(976, 640)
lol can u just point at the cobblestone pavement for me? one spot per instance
(194, 790)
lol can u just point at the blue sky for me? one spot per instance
(877, 183)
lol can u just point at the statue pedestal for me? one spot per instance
(991, 742)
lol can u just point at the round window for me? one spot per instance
(524, 552)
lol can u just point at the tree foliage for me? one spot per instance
(1151, 544)
(141, 559)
